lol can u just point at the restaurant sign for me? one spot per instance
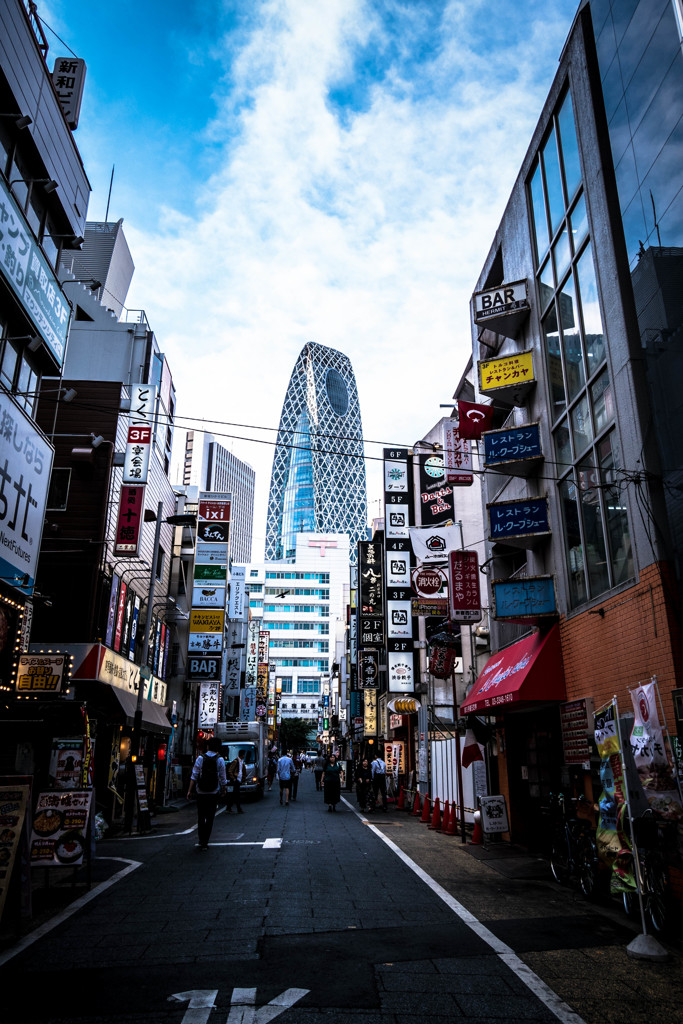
(527, 517)
(525, 598)
(517, 444)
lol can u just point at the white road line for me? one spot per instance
(265, 844)
(539, 988)
(28, 940)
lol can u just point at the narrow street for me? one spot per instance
(327, 918)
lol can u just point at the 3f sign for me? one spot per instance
(243, 1008)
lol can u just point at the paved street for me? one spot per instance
(323, 919)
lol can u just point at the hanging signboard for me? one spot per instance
(206, 596)
(524, 518)
(371, 631)
(516, 449)
(214, 506)
(436, 495)
(368, 670)
(68, 78)
(143, 404)
(457, 456)
(396, 471)
(430, 584)
(202, 621)
(370, 559)
(129, 520)
(136, 457)
(208, 704)
(464, 593)
(508, 377)
(399, 619)
(398, 569)
(369, 712)
(397, 519)
(525, 598)
(400, 672)
(203, 666)
(576, 721)
(502, 309)
(205, 643)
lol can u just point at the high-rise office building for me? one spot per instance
(318, 479)
(211, 467)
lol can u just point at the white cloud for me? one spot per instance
(366, 235)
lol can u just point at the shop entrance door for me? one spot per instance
(534, 762)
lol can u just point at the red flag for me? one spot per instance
(473, 419)
(471, 751)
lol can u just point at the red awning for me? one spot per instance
(528, 672)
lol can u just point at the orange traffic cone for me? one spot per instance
(446, 817)
(478, 834)
(435, 823)
(417, 806)
(425, 812)
(452, 829)
(401, 800)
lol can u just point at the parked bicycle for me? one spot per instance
(573, 854)
(650, 838)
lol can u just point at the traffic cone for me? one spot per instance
(435, 823)
(452, 829)
(425, 812)
(478, 833)
(417, 806)
(446, 817)
(401, 800)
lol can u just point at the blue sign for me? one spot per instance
(512, 445)
(527, 597)
(519, 518)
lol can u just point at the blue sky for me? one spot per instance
(295, 170)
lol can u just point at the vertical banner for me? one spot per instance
(652, 754)
(463, 587)
(370, 577)
(208, 704)
(370, 712)
(436, 495)
(457, 456)
(129, 520)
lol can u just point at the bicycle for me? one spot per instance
(573, 854)
(654, 876)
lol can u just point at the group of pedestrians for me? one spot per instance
(211, 777)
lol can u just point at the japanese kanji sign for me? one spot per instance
(68, 79)
(129, 520)
(208, 704)
(368, 670)
(525, 598)
(457, 456)
(370, 560)
(463, 586)
(512, 445)
(25, 468)
(42, 673)
(136, 459)
(30, 276)
(506, 372)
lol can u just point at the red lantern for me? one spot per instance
(442, 661)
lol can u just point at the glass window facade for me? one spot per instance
(596, 536)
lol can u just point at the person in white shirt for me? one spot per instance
(285, 771)
(237, 774)
(379, 780)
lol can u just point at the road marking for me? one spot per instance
(28, 940)
(539, 988)
(265, 844)
(242, 1005)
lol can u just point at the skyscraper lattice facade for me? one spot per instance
(318, 479)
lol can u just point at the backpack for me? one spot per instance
(208, 774)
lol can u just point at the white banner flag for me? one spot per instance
(433, 544)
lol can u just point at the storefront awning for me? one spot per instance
(154, 717)
(528, 672)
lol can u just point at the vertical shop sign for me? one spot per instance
(436, 495)
(208, 704)
(129, 520)
(370, 577)
(463, 589)
(458, 456)
(370, 712)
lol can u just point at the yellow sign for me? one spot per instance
(506, 372)
(370, 712)
(206, 620)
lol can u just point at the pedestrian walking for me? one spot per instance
(379, 780)
(296, 774)
(332, 783)
(318, 769)
(237, 774)
(272, 768)
(208, 779)
(363, 783)
(285, 770)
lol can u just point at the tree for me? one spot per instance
(296, 733)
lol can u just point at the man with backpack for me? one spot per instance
(207, 781)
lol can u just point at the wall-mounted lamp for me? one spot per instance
(76, 240)
(20, 120)
(69, 394)
(49, 184)
(35, 343)
(92, 283)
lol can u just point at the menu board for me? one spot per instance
(13, 804)
(576, 719)
(60, 824)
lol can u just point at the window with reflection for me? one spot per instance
(595, 520)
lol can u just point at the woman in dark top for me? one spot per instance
(332, 783)
(363, 783)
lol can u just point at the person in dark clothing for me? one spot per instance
(332, 783)
(318, 769)
(207, 781)
(237, 774)
(363, 783)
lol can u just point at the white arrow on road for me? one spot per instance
(243, 1008)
